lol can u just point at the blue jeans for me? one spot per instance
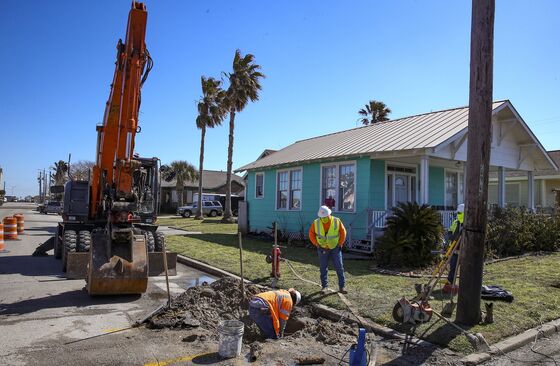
(336, 256)
(264, 321)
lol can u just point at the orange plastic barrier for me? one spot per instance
(2, 246)
(10, 228)
(20, 223)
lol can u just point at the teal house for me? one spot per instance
(364, 172)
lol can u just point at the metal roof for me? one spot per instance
(421, 131)
(211, 179)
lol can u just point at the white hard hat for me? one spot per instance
(461, 208)
(297, 293)
(324, 211)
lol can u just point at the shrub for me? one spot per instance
(514, 231)
(412, 233)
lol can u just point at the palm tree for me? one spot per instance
(244, 86)
(373, 112)
(183, 172)
(60, 168)
(211, 113)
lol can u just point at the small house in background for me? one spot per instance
(363, 172)
(213, 181)
(547, 182)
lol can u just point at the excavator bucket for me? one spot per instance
(117, 267)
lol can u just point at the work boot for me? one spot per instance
(342, 290)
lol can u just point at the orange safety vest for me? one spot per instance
(280, 305)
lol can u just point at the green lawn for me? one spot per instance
(209, 225)
(530, 279)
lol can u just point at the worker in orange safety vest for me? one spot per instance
(328, 234)
(270, 310)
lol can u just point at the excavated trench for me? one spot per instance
(202, 307)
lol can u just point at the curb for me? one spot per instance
(204, 267)
(512, 343)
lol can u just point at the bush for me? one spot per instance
(514, 231)
(412, 233)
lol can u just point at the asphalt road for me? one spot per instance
(546, 351)
(48, 320)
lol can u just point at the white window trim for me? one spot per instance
(337, 164)
(403, 165)
(289, 189)
(255, 190)
(458, 172)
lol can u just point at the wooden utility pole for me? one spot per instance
(478, 160)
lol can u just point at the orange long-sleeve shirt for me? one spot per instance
(326, 226)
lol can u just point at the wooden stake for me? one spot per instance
(166, 275)
(241, 265)
(478, 160)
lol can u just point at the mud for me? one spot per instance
(198, 311)
(202, 307)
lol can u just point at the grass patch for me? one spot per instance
(210, 225)
(532, 281)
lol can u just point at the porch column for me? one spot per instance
(501, 186)
(543, 193)
(424, 179)
(464, 183)
(530, 191)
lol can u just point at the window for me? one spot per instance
(208, 203)
(295, 189)
(282, 199)
(454, 186)
(338, 186)
(346, 188)
(259, 185)
(288, 189)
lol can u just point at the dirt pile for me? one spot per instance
(202, 307)
(205, 305)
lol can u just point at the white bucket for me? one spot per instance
(230, 333)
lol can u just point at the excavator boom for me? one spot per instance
(118, 255)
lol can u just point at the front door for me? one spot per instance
(401, 188)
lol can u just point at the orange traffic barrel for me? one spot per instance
(20, 223)
(2, 245)
(10, 228)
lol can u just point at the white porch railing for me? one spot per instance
(379, 218)
(446, 218)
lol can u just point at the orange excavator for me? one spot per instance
(110, 217)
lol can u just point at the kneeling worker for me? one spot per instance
(271, 310)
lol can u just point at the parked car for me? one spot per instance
(52, 207)
(209, 208)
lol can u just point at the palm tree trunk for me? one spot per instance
(179, 188)
(227, 209)
(200, 168)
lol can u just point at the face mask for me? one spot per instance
(324, 220)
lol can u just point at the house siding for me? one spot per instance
(370, 193)
(262, 212)
(436, 194)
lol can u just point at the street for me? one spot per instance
(42, 313)
(545, 352)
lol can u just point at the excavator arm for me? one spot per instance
(118, 254)
(112, 174)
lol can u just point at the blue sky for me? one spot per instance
(323, 59)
